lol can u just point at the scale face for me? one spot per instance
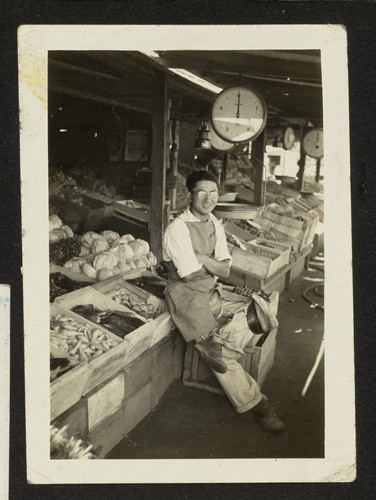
(288, 138)
(218, 143)
(239, 114)
(313, 143)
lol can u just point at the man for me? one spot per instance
(196, 252)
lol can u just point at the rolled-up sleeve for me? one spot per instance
(177, 246)
(221, 250)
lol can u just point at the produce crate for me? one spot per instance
(67, 389)
(257, 361)
(281, 250)
(118, 282)
(136, 342)
(140, 212)
(261, 266)
(231, 228)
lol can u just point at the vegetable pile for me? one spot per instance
(148, 308)
(69, 448)
(79, 342)
(107, 254)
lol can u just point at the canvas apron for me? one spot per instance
(189, 306)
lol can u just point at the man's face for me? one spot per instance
(204, 198)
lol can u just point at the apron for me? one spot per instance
(189, 303)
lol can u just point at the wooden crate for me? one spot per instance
(280, 251)
(247, 261)
(141, 214)
(231, 228)
(137, 341)
(105, 399)
(257, 361)
(66, 390)
(119, 282)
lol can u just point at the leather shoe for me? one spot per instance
(212, 354)
(267, 417)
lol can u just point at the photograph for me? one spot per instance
(188, 189)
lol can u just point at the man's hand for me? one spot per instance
(215, 267)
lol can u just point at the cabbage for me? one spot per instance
(60, 233)
(84, 250)
(54, 222)
(104, 274)
(68, 231)
(53, 236)
(105, 260)
(89, 237)
(152, 259)
(89, 271)
(141, 262)
(124, 253)
(126, 238)
(110, 236)
(138, 248)
(99, 246)
(131, 264)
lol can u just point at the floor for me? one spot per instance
(192, 423)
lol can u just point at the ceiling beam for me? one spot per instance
(240, 62)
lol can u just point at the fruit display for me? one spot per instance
(108, 254)
(149, 307)
(78, 342)
(120, 323)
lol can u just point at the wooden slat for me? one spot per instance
(158, 159)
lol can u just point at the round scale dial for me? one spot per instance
(288, 138)
(239, 114)
(217, 142)
(313, 143)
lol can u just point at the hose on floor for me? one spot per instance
(317, 288)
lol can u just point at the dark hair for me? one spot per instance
(199, 175)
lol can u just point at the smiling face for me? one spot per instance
(204, 199)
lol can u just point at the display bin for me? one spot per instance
(261, 266)
(282, 251)
(136, 342)
(120, 282)
(67, 389)
(139, 212)
(244, 235)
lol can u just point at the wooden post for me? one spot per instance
(158, 164)
(302, 160)
(318, 166)
(258, 150)
(174, 162)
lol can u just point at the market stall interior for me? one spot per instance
(125, 130)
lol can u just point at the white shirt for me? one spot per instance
(177, 245)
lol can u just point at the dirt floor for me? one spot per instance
(193, 423)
